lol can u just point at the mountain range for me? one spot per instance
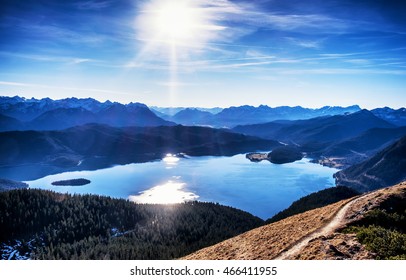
(396, 117)
(243, 115)
(232, 116)
(63, 133)
(17, 113)
(167, 112)
(347, 139)
(321, 129)
(27, 109)
(42, 137)
(251, 115)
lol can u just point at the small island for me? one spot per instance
(279, 155)
(72, 182)
(285, 154)
(257, 157)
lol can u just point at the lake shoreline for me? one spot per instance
(262, 188)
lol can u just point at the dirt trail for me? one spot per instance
(313, 234)
(335, 223)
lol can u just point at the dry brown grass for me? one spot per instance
(267, 242)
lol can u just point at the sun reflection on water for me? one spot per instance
(168, 193)
(170, 159)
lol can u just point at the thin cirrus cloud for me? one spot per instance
(234, 22)
(44, 86)
(48, 58)
(94, 5)
(342, 71)
(226, 22)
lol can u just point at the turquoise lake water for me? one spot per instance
(263, 188)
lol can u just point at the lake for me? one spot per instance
(262, 188)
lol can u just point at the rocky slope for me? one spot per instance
(315, 234)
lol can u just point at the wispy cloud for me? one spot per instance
(81, 31)
(73, 89)
(60, 33)
(309, 44)
(250, 17)
(49, 58)
(236, 20)
(358, 61)
(341, 71)
(176, 84)
(93, 5)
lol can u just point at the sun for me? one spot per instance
(176, 22)
(175, 31)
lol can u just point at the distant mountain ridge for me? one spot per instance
(347, 139)
(263, 113)
(241, 115)
(171, 111)
(46, 114)
(321, 129)
(245, 115)
(396, 117)
(27, 109)
(95, 146)
(363, 146)
(192, 116)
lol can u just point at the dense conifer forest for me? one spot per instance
(61, 226)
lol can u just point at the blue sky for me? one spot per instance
(206, 53)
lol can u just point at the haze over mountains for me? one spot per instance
(232, 116)
(47, 114)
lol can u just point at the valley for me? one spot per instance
(202, 130)
(274, 164)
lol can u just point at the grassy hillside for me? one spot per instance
(315, 200)
(377, 218)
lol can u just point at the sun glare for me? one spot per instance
(185, 23)
(169, 193)
(174, 29)
(176, 21)
(171, 159)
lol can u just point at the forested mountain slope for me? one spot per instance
(41, 224)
